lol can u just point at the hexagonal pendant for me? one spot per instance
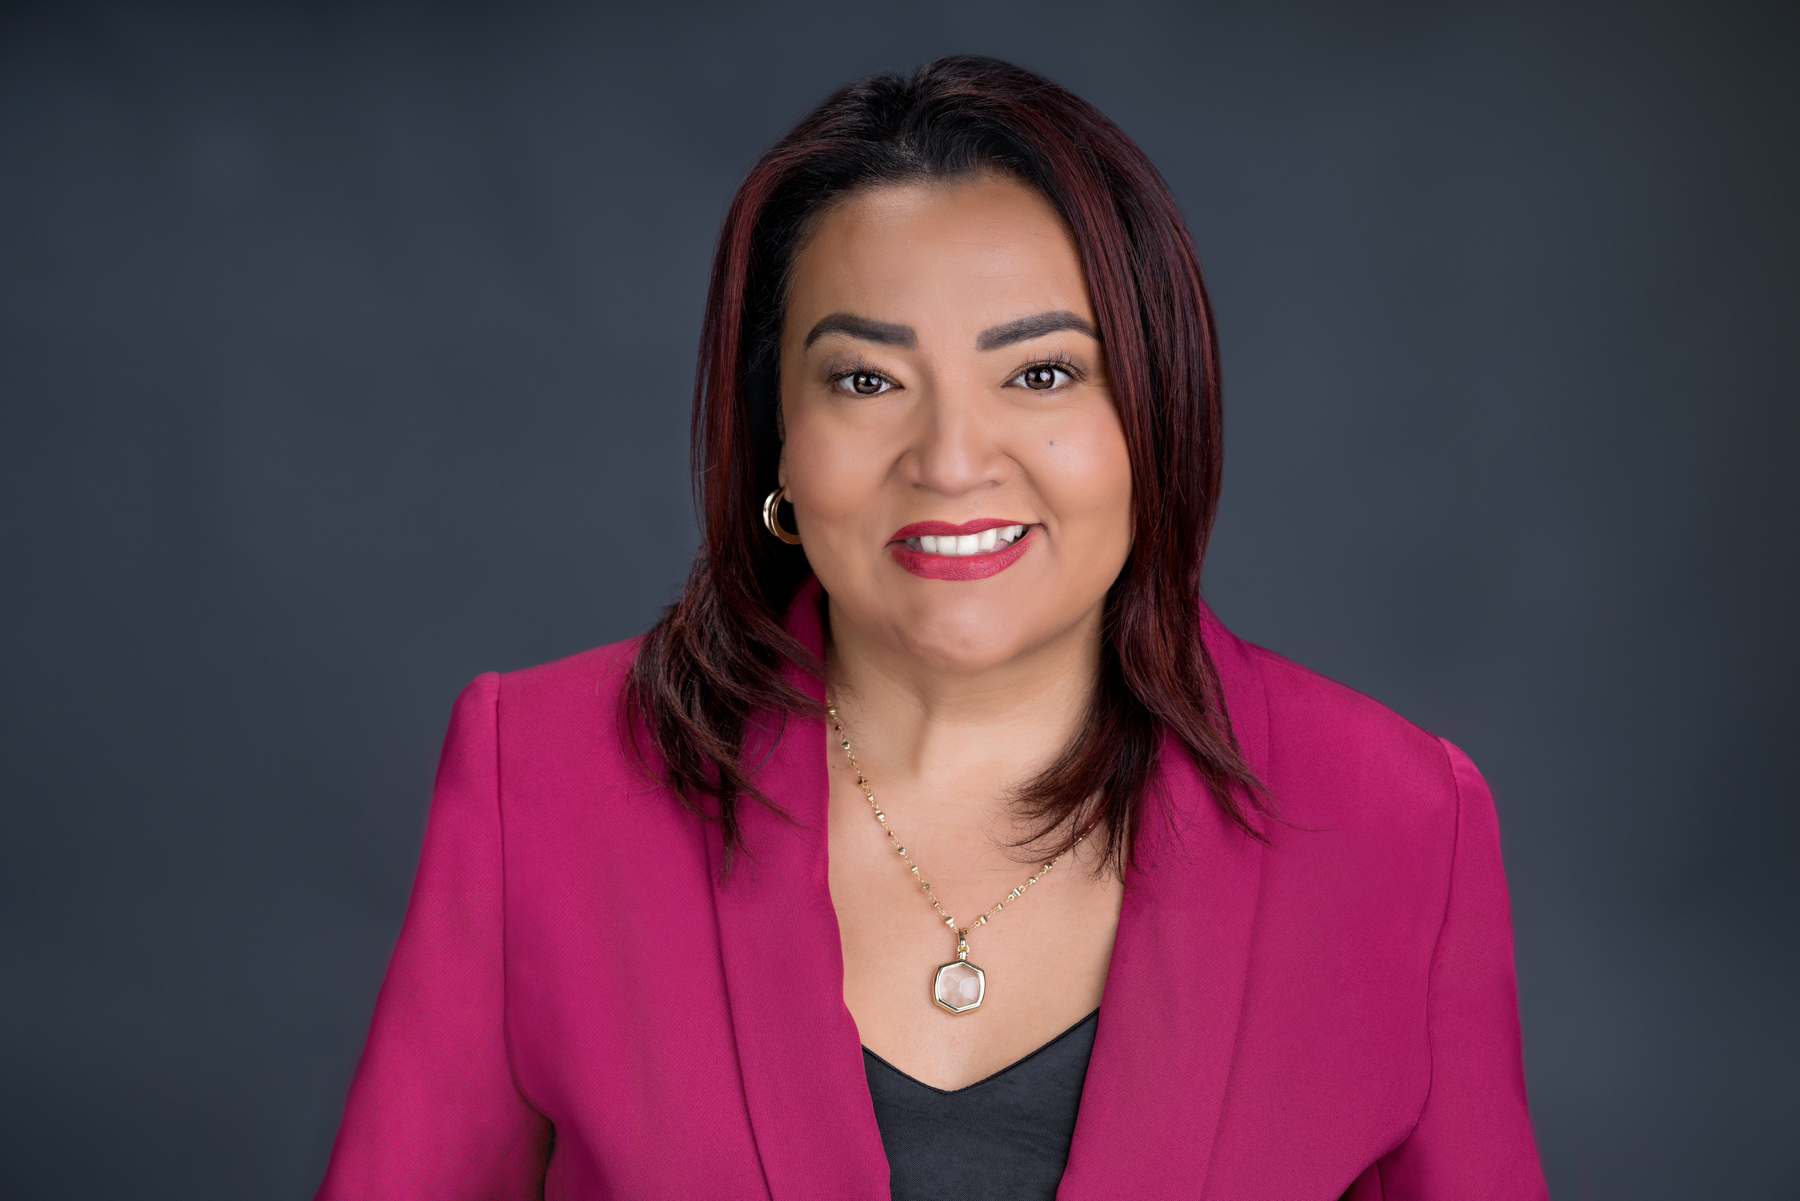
(959, 986)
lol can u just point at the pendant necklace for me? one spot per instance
(958, 986)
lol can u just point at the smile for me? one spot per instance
(975, 550)
(957, 545)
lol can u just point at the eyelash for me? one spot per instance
(1056, 362)
(836, 378)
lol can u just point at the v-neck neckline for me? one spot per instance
(1020, 1062)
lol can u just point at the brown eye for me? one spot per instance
(1043, 377)
(863, 383)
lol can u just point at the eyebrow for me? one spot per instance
(1027, 328)
(887, 333)
(881, 332)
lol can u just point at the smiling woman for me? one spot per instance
(939, 841)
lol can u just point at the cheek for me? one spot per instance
(827, 473)
(1085, 474)
(835, 480)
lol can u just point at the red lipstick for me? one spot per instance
(958, 567)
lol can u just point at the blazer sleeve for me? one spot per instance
(434, 1112)
(1473, 1141)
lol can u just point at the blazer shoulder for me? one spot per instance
(566, 718)
(1339, 754)
(586, 681)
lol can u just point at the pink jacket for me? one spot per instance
(578, 1008)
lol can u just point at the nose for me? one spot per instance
(957, 448)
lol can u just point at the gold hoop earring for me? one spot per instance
(772, 517)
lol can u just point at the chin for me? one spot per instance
(968, 636)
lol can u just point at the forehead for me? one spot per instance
(939, 252)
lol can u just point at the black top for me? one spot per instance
(1005, 1138)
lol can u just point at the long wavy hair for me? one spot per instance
(715, 659)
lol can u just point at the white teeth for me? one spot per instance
(968, 544)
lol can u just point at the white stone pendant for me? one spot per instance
(959, 986)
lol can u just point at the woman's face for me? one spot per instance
(958, 472)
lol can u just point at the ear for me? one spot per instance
(781, 468)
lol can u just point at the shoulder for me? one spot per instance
(560, 722)
(1317, 717)
(578, 689)
(1334, 758)
(590, 681)
(563, 765)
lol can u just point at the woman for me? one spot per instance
(713, 913)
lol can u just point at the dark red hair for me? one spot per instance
(716, 656)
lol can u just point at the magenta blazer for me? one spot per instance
(579, 1008)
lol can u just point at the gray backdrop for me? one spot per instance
(346, 353)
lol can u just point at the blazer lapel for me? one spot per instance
(797, 1044)
(1169, 1022)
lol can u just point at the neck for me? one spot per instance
(959, 741)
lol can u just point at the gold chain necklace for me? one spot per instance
(958, 986)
